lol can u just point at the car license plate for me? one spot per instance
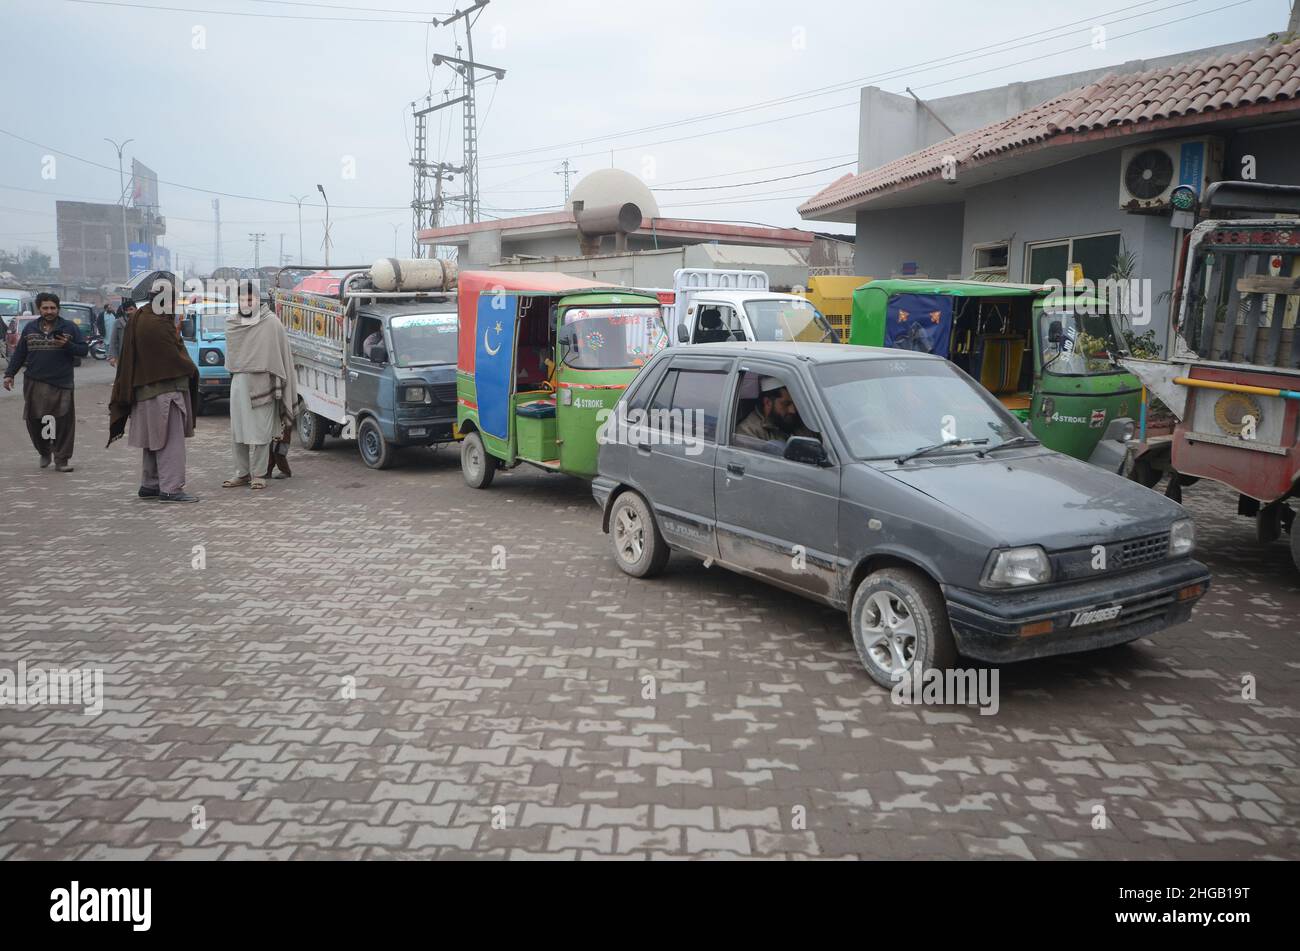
(1096, 616)
(419, 432)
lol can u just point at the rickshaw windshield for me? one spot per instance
(8, 308)
(888, 408)
(1078, 344)
(421, 340)
(614, 337)
(778, 320)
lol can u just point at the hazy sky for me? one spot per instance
(256, 103)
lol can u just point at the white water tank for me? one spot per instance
(412, 274)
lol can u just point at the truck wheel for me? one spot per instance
(1268, 523)
(639, 548)
(899, 620)
(376, 451)
(311, 430)
(476, 465)
(1145, 474)
(1295, 546)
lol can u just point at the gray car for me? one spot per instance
(889, 484)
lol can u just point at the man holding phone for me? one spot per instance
(47, 349)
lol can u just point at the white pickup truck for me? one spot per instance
(712, 305)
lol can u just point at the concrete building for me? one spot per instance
(1024, 197)
(92, 248)
(553, 236)
(785, 267)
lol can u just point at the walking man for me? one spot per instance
(156, 387)
(47, 348)
(263, 387)
(124, 314)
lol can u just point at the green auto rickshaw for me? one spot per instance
(543, 358)
(1051, 358)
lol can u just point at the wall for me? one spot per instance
(930, 235)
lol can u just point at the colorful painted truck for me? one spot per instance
(541, 355)
(1231, 367)
(1052, 364)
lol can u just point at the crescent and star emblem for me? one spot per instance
(487, 346)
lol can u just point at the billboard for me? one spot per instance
(149, 257)
(144, 186)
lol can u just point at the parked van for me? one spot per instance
(888, 484)
(714, 305)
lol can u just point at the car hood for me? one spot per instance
(1039, 497)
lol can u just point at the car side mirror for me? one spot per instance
(379, 353)
(683, 334)
(567, 339)
(806, 450)
(1055, 332)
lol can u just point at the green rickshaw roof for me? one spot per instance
(894, 286)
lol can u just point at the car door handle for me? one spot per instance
(352, 374)
(643, 448)
(735, 468)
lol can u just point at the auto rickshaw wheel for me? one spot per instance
(476, 465)
(639, 547)
(311, 429)
(376, 451)
(899, 622)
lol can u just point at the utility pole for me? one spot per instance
(299, 201)
(468, 70)
(216, 223)
(281, 258)
(121, 184)
(426, 213)
(395, 228)
(566, 169)
(257, 240)
(327, 224)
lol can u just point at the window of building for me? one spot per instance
(1052, 260)
(990, 261)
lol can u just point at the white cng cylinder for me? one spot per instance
(412, 274)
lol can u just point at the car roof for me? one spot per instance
(803, 352)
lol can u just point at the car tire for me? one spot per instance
(201, 407)
(639, 547)
(899, 619)
(476, 464)
(376, 451)
(311, 430)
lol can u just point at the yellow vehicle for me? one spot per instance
(832, 294)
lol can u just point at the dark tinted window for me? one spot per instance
(696, 402)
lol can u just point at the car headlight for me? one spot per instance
(416, 394)
(1182, 537)
(212, 357)
(1014, 567)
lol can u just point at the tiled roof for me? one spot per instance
(1116, 101)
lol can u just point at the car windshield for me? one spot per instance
(423, 339)
(212, 320)
(614, 337)
(8, 308)
(887, 408)
(77, 315)
(1078, 344)
(777, 320)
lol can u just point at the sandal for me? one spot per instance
(236, 483)
(257, 484)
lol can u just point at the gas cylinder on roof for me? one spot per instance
(412, 274)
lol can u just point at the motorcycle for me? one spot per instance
(98, 348)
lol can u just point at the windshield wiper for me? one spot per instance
(937, 446)
(1013, 441)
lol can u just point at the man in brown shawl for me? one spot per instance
(263, 387)
(156, 388)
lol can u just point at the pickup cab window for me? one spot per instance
(783, 320)
(423, 339)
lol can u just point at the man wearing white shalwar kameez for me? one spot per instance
(263, 388)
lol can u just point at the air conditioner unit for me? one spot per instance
(1149, 173)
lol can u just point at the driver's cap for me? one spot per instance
(770, 384)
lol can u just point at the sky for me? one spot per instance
(261, 100)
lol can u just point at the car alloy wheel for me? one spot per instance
(888, 632)
(629, 535)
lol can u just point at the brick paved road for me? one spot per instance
(500, 713)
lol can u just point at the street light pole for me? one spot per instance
(395, 227)
(121, 197)
(327, 224)
(299, 201)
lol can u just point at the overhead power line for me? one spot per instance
(240, 13)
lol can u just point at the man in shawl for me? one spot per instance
(47, 349)
(263, 387)
(156, 387)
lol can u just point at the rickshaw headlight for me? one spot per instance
(416, 394)
(1014, 567)
(1182, 537)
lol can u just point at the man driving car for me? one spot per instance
(775, 418)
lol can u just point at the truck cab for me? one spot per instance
(708, 305)
(203, 328)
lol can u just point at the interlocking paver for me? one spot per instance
(327, 688)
